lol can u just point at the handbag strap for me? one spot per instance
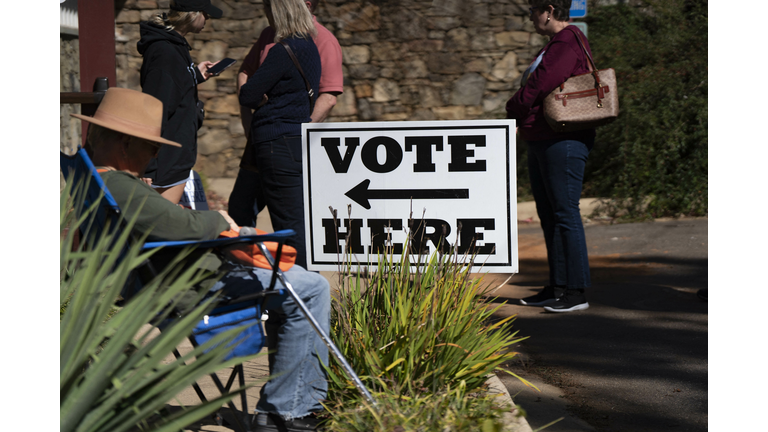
(590, 63)
(310, 92)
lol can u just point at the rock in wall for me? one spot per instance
(403, 60)
(69, 81)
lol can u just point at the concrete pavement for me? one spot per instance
(636, 360)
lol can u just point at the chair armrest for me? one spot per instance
(279, 236)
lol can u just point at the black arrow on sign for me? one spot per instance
(361, 194)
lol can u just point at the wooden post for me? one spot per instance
(96, 21)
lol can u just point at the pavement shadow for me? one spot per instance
(637, 359)
(623, 372)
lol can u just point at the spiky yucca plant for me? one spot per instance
(113, 376)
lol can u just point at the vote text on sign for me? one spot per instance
(444, 182)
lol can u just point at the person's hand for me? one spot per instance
(263, 101)
(232, 225)
(203, 68)
(147, 180)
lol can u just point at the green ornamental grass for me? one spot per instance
(419, 335)
(452, 410)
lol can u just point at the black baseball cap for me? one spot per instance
(197, 6)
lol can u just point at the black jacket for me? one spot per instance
(169, 74)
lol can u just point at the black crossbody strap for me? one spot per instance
(310, 92)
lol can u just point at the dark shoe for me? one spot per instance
(572, 300)
(702, 294)
(273, 422)
(544, 297)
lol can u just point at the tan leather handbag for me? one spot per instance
(583, 101)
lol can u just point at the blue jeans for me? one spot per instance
(556, 169)
(246, 199)
(300, 382)
(279, 164)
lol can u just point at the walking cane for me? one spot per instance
(327, 340)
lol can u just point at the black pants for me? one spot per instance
(280, 171)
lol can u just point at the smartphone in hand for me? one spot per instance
(219, 67)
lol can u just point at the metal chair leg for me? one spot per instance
(197, 388)
(238, 424)
(243, 396)
(217, 417)
(238, 370)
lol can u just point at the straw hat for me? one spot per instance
(130, 112)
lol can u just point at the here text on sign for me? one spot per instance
(445, 183)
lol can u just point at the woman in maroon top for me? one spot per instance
(555, 160)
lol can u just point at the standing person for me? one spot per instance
(278, 94)
(556, 160)
(169, 74)
(247, 199)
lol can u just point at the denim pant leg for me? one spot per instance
(537, 173)
(246, 199)
(300, 381)
(279, 164)
(557, 172)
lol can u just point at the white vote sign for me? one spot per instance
(441, 175)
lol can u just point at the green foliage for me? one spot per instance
(447, 411)
(657, 150)
(113, 375)
(653, 159)
(412, 329)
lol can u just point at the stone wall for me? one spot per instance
(403, 60)
(69, 81)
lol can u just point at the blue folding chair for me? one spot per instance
(79, 169)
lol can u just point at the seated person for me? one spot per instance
(124, 135)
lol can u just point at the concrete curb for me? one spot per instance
(513, 421)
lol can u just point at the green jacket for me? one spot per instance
(166, 221)
(158, 216)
